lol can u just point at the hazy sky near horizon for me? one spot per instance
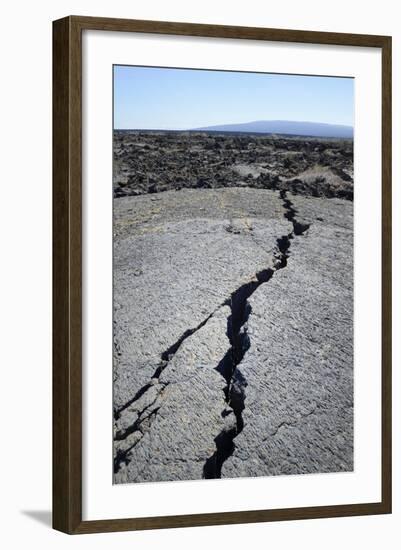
(178, 99)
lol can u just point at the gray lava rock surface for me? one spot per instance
(168, 433)
(298, 415)
(176, 260)
(233, 321)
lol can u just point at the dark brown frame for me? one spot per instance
(67, 281)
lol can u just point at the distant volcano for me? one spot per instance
(315, 129)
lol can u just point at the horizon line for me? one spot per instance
(239, 123)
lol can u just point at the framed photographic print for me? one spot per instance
(222, 274)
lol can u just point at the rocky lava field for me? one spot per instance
(233, 306)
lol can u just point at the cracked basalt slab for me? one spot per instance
(188, 409)
(298, 415)
(178, 256)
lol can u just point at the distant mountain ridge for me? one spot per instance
(315, 129)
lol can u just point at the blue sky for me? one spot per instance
(176, 99)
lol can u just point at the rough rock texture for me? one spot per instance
(176, 260)
(298, 415)
(233, 343)
(151, 162)
(168, 433)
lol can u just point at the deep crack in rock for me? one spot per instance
(237, 333)
(165, 357)
(121, 455)
(234, 392)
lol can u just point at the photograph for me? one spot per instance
(233, 301)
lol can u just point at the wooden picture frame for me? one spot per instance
(67, 274)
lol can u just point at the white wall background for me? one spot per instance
(25, 275)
